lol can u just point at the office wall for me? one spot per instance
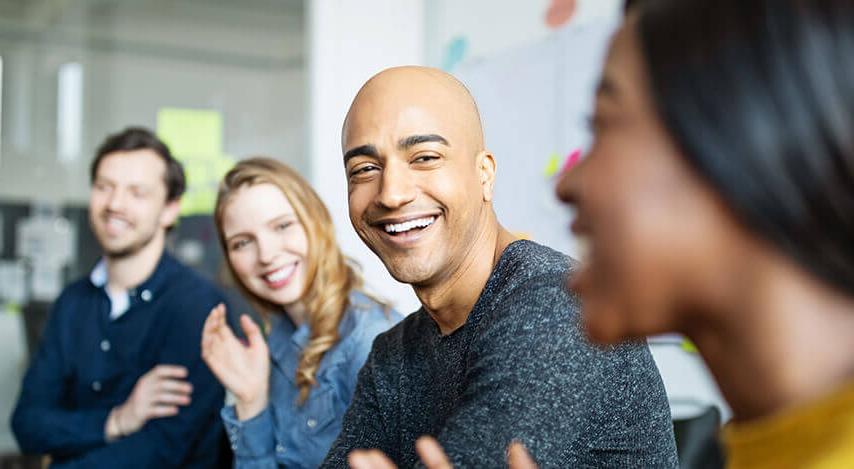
(245, 62)
(350, 42)
(490, 28)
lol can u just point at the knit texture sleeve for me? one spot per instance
(533, 377)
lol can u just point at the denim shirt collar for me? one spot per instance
(286, 341)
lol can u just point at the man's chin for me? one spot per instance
(115, 250)
(120, 252)
(409, 271)
(606, 326)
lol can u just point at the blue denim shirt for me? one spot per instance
(287, 434)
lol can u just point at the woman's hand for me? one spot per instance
(243, 369)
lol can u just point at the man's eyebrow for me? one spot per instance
(362, 150)
(413, 140)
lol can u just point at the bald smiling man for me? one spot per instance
(496, 352)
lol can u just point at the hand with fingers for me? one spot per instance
(433, 457)
(156, 394)
(243, 369)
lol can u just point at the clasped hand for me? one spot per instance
(156, 394)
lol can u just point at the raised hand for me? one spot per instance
(158, 393)
(243, 369)
(518, 457)
(433, 457)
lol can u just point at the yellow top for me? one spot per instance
(819, 435)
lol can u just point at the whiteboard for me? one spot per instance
(535, 102)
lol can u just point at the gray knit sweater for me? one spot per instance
(521, 369)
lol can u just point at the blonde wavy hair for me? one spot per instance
(330, 277)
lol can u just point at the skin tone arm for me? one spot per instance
(433, 457)
(243, 369)
(158, 393)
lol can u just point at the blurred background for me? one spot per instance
(223, 80)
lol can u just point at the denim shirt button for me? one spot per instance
(96, 386)
(311, 423)
(280, 449)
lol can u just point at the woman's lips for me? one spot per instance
(280, 277)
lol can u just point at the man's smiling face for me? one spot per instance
(413, 153)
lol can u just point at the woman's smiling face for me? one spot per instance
(266, 243)
(657, 234)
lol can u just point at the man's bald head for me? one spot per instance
(419, 179)
(436, 94)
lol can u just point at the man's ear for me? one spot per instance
(170, 213)
(486, 168)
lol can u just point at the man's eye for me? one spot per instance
(426, 158)
(361, 170)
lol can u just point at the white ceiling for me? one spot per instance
(246, 33)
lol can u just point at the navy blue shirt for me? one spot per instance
(88, 362)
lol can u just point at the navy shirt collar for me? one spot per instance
(146, 291)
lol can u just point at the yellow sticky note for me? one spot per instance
(203, 176)
(190, 132)
(553, 165)
(195, 138)
(688, 346)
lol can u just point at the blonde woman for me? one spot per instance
(291, 390)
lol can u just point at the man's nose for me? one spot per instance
(398, 186)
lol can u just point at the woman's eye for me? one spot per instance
(594, 123)
(284, 225)
(237, 245)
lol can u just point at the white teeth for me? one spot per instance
(117, 222)
(409, 225)
(280, 274)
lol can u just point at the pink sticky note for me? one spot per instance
(572, 159)
(560, 12)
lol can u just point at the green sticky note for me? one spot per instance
(190, 132)
(553, 165)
